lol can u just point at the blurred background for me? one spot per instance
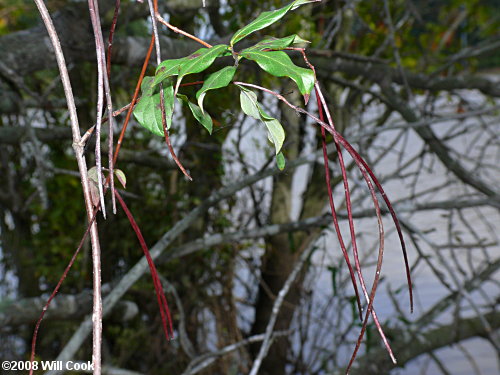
(413, 85)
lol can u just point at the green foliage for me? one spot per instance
(265, 19)
(276, 43)
(194, 63)
(266, 53)
(16, 15)
(148, 111)
(252, 108)
(202, 117)
(216, 80)
(279, 64)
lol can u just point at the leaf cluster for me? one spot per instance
(156, 115)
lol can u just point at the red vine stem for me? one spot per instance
(363, 167)
(56, 290)
(322, 107)
(160, 295)
(386, 200)
(134, 98)
(357, 158)
(334, 212)
(162, 302)
(371, 298)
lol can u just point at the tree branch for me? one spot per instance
(410, 345)
(63, 307)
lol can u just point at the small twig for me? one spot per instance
(182, 32)
(96, 260)
(397, 56)
(207, 359)
(153, 8)
(111, 35)
(107, 92)
(94, 16)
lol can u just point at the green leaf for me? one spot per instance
(276, 43)
(199, 61)
(279, 64)
(249, 104)
(196, 62)
(214, 81)
(252, 108)
(280, 161)
(167, 69)
(298, 3)
(276, 133)
(148, 111)
(120, 175)
(202, 117)
(265, 19)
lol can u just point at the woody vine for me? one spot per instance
(154, 111)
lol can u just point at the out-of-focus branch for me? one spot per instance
(409, 345)
(436, 145)
(63, 307)
(377, 72)
(266, 343)
(205, 360)
(442, 305)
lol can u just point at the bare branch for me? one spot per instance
(78, 147)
